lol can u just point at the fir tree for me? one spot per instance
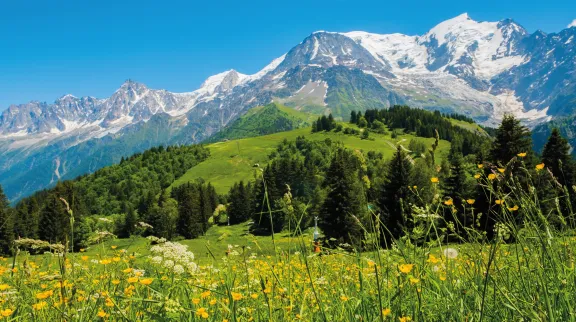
(6, 225)
(189, 220)
(353, 117)
(512, 138)
(345, 208)
(239, 209)
(556, 157)
(130, 220)
(54, 222)
(393, 197)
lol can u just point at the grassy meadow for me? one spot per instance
(527, 273)
(232, 161)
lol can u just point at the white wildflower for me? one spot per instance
(450, 253)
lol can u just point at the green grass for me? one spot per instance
(212, 246)
(232, 161)
(472, 127)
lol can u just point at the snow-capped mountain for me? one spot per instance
(480, 69)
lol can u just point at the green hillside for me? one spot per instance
(263, 120)
(232, 161)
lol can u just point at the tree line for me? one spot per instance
(350, 191)
(132, 192)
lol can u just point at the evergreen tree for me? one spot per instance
(331, 122)
(511, 139)
(239, 209)
(556, 157)
(189, 220)
(345, 203)
(6, 225)
(54, 221)
(130, 220)
(393, 197)
(353, 117)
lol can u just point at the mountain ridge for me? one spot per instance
(479, 69)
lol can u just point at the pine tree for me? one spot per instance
(130, 221)
(345, 204)
(189, 219)
(54, 222)
(512, 138)
(6, 225)
(556, 157)
(393, 197)
(331, 122)
(353, 117)
(239, 209)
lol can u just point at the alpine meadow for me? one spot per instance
(357, 177)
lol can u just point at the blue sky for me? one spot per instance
(51, 48)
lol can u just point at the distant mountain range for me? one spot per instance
(479, 69)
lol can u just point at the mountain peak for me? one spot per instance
(223, 81)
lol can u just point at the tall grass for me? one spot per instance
(442, 270)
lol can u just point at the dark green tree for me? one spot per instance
(556, 157)
(240, 208)
(54, 221)
(190, 224)
(128, 227)
(6, 225)
(393, 197)
(511, 139)
(345, 208)
(353, 117)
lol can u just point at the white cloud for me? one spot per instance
(572, 24)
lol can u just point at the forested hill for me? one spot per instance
(263, 120)
(134, 183)
(143, 189)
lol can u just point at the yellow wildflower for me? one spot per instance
(101, 313)
(6, 312)
(491, 176)
(470, 201)
(540, 166)
(434, 180)
(202, 312)
(236, 296)
(386, 312)
(39, 306)
(522, 154)
(146, 281)
(406, 268)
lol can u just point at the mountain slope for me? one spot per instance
(263, 120)
(234, 160)
(480, 69)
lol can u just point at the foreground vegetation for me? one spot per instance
(485, 233)
(526, 273)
